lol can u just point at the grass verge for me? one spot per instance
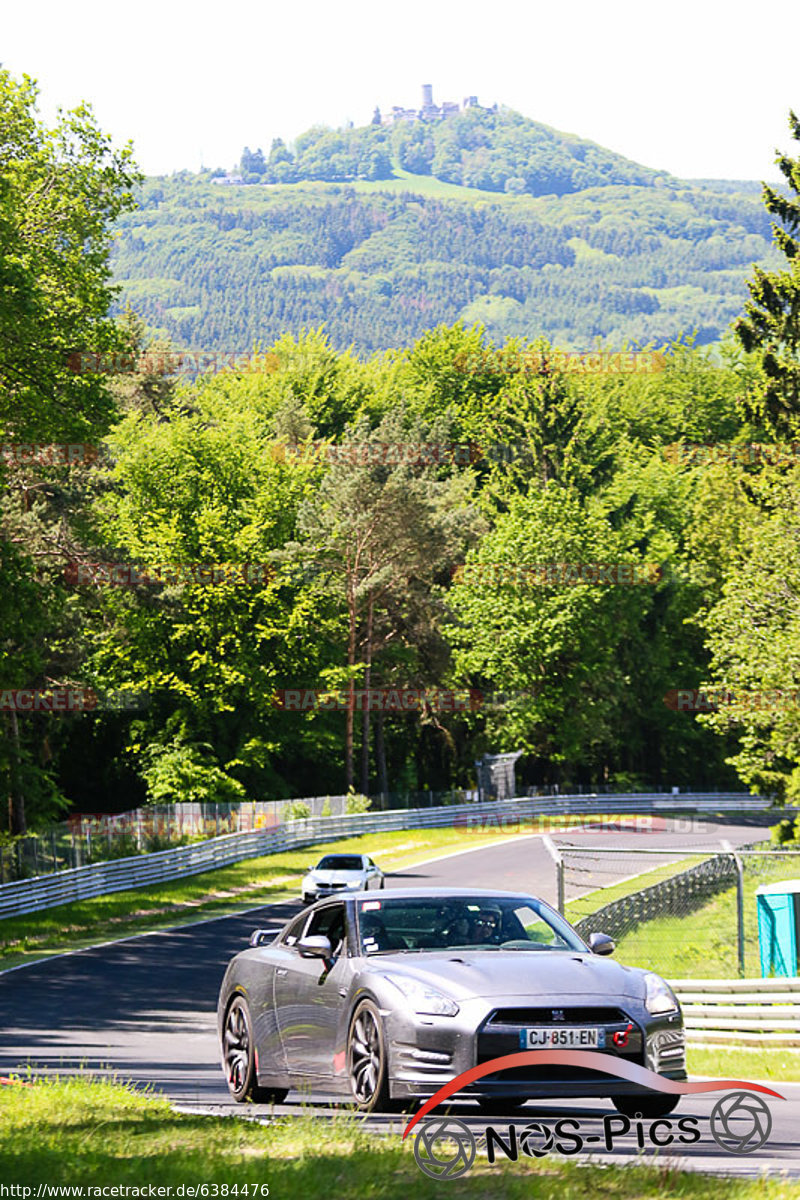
(703, 944)
(79, 1132)
(588, 903)
(744, 1062)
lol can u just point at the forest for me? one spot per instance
(597, 251)
(323, 566)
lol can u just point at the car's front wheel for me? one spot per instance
(367, 1064)
(238, 1053)
(648, 1107)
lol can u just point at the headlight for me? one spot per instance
(355, 883)
(424, 999)
(659, 998)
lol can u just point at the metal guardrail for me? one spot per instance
(741, 1012)
(97, 879)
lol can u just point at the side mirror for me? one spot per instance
(601, 943)
(260, 937)
(315, 946)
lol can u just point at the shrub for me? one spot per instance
(356, 803)
(297, 810)
(783, 832)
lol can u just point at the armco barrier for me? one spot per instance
(740, 1012)
(97, 879)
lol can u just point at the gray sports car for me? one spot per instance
(384, 998)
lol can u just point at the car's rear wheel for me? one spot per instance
(648, 1107)
(498, 1106)
(238, 1053)
(367, 1065)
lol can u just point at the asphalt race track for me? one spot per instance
(143, 1009)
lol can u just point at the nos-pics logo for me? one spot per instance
(445, 1148)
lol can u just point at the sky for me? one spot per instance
(690, 88)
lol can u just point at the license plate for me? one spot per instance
(562, 1039)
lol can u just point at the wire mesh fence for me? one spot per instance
(103, 837)
(683, 913)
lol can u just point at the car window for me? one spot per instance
(482, 922)
(340, 862)
(536, 929)
(294, 931)
(329, 922)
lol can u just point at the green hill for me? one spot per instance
(503, 220)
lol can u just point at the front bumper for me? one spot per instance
(427, 1052)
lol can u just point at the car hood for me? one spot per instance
(335, 876)
(503, 973)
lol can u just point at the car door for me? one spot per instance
(309, 994)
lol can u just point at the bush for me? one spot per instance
(782, 833)
(356, 803)
(297, 810)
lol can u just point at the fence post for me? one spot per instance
(728, 848)
(554, 853)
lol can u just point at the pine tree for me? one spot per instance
(772, 320)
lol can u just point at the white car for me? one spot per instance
(337, 874)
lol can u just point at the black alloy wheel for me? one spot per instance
(367, 1060)
(238, 1053)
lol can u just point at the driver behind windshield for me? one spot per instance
(485, 927)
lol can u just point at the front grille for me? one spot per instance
(522, 1017)
(499, 1035)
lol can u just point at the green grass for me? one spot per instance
(96, 1134)
(427, 185)
(703, 944)
(588, 903)
(744, 1062)
(217, 893)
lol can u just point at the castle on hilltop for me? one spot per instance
(429, 111)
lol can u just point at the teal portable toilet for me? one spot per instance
(778, 926)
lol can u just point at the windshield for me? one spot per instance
(468, 923)
(339, 862)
